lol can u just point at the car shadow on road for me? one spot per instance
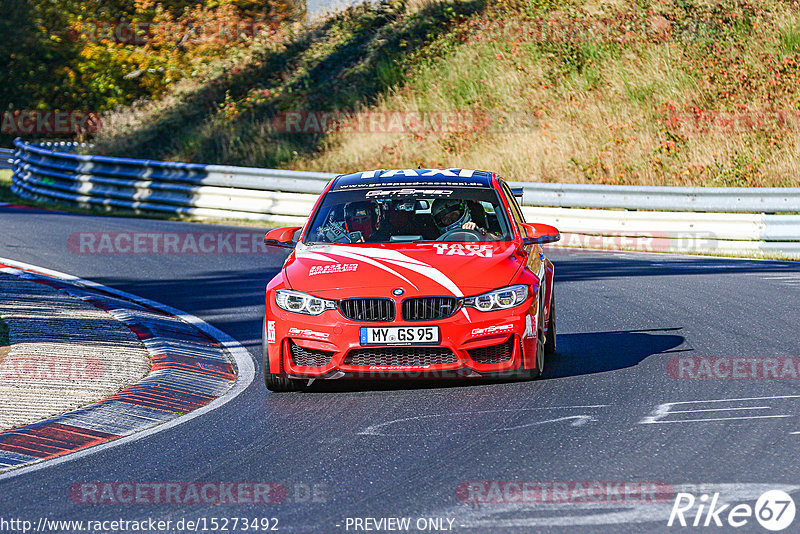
(597, 352)
(577, 354)
(355, 385)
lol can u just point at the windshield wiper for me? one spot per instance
(404, 238)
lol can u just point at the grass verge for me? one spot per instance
(638, 92)
(5, 186)
(3, 334)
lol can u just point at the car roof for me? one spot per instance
(416, 177)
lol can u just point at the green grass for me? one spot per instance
(627, 92)
(3, 333)
(343, 63)
(790, 38)
(5, 186)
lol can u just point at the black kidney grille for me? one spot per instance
(368, 310)
(428, 308)
(394, 356)
(309, 357)
(494, 353)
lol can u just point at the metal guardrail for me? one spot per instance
(276, 196)
(688, 199)
(6, 156)
(286, 197)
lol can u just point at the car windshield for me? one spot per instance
(404, 214)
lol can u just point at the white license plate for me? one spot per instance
(426, 335)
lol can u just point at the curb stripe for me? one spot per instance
(113, 417)
(13, 459)
(49, 439)
(197, 364)
(196, 368)
(162, 398)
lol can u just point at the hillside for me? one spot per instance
(673, 92)
(80, 58)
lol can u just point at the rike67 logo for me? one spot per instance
(774, 510)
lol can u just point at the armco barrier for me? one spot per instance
(706, 220)
(692, 199)
(276, 196)
(6, 156)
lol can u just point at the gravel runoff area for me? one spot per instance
(63, 353)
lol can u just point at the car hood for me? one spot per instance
(339, 271)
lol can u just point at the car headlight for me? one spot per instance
(499, 299)
(297, 302)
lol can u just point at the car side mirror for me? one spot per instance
(539, 234)
(281, 237)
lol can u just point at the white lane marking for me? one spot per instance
(662, 411)
(577, 420)
(493, 516)
(374, 430)
(701, 265)
(245, 367)
(722, 409)
(721, 419)
(787, 279)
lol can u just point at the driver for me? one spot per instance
(451, 214)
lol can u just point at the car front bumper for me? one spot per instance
(471, 344)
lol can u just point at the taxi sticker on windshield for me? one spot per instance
(459, 249)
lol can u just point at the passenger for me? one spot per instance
(361, 217)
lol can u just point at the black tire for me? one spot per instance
(532, 374)
(550, 342)
(275, 382)
(540, 342)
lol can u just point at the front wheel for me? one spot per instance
(275, 382)
(540, 344)
(540, 349)
(550, 342)
(280, 384)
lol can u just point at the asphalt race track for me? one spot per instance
(603, 413)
